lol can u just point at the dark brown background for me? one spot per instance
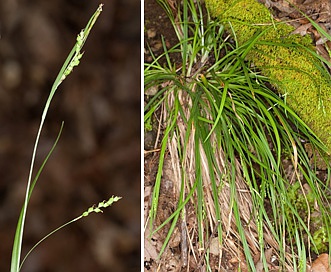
(99, 152)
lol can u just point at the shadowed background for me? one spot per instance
(98, 154)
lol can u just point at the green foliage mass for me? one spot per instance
(287, 59)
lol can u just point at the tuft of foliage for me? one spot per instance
(227, 134)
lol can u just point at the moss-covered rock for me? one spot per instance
(284, 58)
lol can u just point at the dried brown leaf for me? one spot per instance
(321, 264)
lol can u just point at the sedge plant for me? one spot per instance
(72, 61)
(230, 137)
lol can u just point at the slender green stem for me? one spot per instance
(71, 61)
(103, 204)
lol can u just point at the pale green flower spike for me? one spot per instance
(103, 204)
(81, 38)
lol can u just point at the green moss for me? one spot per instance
(317, 226)
(293, 70)
(321, 240)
